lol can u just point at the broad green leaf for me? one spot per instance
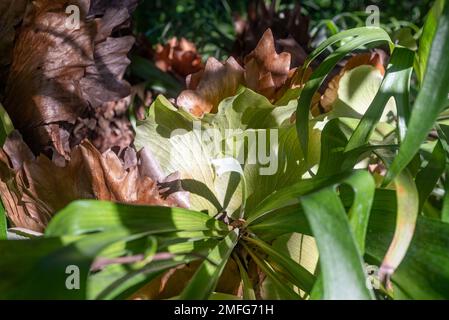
(83, 217)
(39, 269)
(363, 187)
(206, 278)
(339, 245)
(341, 264)
(431, 100)
(427, 254)
(404, 37)
(248, 128)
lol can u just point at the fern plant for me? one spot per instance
(316, 229)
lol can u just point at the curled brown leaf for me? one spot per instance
(11, 14)
(59, 72)
(210, 86)
(179, 57)
(290, 28)
(34, 189)
(265, 70)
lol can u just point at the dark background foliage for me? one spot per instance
(209, 23)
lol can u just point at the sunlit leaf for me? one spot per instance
(356, 38)
(205, 279)
(432, 98)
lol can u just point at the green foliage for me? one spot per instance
(355, 216)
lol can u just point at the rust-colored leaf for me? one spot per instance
(290, 28)
(34, 189)
(11, 14)
(210, 86)
(265, 70)
(60, 73)
(179, 57)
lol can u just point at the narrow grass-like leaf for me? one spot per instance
(279, 283)
(358, 38)
(341, 264)
(83, 217)
(445, 209)
(37, 269)
(364, 187)
(360, 181)
(290, 195)
(395, 84)
(431, 100)
(286, 220)
(248, 289)
(3, 223)
(443, 133)
(301, 278)
(428, 177)
(425, 41)
(206, 277)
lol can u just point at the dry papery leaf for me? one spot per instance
(264, 71)
(60, 74)
(179, 57)
(290, 28)
(11, 14)
(207, 88)
(34, 189)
